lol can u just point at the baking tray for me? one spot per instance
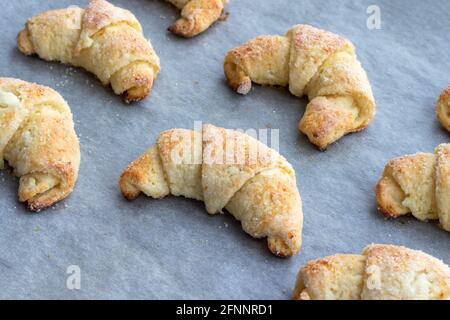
(171, 248)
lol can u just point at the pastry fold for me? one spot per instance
(381, 272)
(443, 109)
(418, 184)
(38, 140)
(311, 62)
(103, 39)
(228, 170)
(196, 16)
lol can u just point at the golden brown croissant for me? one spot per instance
(227, 170)
(38, 140)
(196, 16)
(417, 184)
(311, 62)
(381, 272)
(443, 108)
(103, 39)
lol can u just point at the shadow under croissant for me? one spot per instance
(89, 80)
(302, 101)
(227, 221)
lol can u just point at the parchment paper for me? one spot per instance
(171, 248)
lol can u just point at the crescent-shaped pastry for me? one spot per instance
(417, 184)
(196, 16)
(38, 140)
(103, 39)
(381, 272)
(311, 62)
(228, 170)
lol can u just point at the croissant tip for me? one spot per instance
(130, 195)
(281, 249)
(319, 142)
(24, 43)
(170, 29)
(181, 32)
(127, 189)
(244, 88)
(385, 212)
(320, 146)
(130, 98)
(35, 207)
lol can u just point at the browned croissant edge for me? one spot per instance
(196, 17)
(443, 109)
(50, 198)
(388, 208)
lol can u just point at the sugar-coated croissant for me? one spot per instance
(228, 170)
(417, 184)
(381, 272)
(38, 140)
(311, 62)
(443, 108)
(196, 16)
(103, 39)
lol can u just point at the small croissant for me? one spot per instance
(103, 39)
(228, 170)
(311, 62)
(196, 16)
(443, 109)
(38, 140)
(417, 184)
(381, 272)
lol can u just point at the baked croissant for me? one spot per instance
(227, 170)
(196, 16)
(311, 62)
(443, 108)
(417, 184)
(38, 140)
(381, 272)
(103, 39)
